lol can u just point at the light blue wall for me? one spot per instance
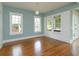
(1, 30)
(28, 17)
(28, 23)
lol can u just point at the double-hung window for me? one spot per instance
(49, 23)
(57, 23)
(37, 24)
(16, 24)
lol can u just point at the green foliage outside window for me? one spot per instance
(57, 22)
(49, 24)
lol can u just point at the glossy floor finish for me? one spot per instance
(40, 46)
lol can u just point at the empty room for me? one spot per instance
(39, 28)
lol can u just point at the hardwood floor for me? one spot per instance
(39, 46)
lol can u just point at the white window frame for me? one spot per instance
(15, 13)
(55, 23)
(34, 24)
(49, 18)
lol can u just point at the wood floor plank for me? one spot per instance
(39, 46)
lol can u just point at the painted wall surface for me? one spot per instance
(28, 23)
(1, 32)
(65, 34)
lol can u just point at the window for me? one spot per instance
(49, 24)
(57, 23)
(16, 23)
(37, 22)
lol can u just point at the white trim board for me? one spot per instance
(59, 39)
(23, 38)
(11, 40)
(71, 41)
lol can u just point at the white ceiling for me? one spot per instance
(42, 7)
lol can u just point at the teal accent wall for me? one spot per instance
(28, 23)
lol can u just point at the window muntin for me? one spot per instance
(57, 22)
(37, 22)
(49, 23)
(16, 23)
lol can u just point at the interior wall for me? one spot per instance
(66, 28)
(28, 23)
(1, 32)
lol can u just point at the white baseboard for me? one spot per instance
(71, 41)
(59, 39)
(11, 40)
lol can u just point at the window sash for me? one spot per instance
(37, 24)
(49, 24)
(58, 23)
(15, 23)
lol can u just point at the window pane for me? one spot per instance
(16, 23)
(49, 24)
(19, 21)
(58, 22)
(15, 28)
(13, 19)
(37, 24)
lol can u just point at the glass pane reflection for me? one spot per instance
(37, 47)
(17, 50)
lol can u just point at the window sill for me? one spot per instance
(37, 31)
(16, 33)
(57, 30)
(49, 30)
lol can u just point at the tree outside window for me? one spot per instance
(57, 23)
(49, 24)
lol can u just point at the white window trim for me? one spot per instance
(55, 24)
(49, 17)
(11, 13)
(34, 24)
